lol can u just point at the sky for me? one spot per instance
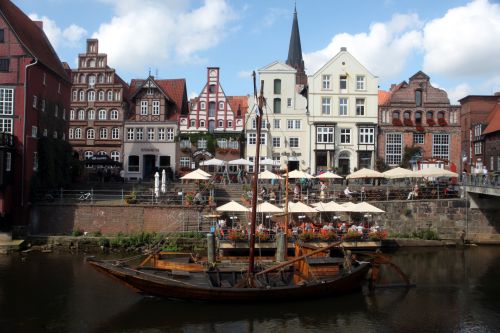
(455, 42)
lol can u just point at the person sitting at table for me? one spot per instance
(296, 191)
(348, 193)
(261, 228)
(322, 189)
(263, 192)
(198, 198)
(413, 193)
(272, 196)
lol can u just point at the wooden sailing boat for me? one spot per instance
(311, 273)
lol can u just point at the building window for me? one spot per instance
(117, 95)
(6, 101)
(35, 161)
(139, 134)
(115, 156)
(4, 65)
(45, 132)
(81, 115)
(277, 86)
(156, 108)
(170, 134)
(71, 133)
(202, 106)
(130, 134)
(324, 135)
(161, 134)
(418, 118)
(325, 82)
(103, 133)
(110, 95)
(288, 102)
(88, 154)
(6, 125)
(360, 82)
(2, 36)
(91, 80)
(133, 163)
(113, 115)
(441, 146)
(185, 162)
(366, 135)
(91, 96)
(477, 148)
(192, 123)
(345, 135)
(293, 124)
(75, 95)
(222, 143)
(91, 133)
(418, 138)
(43, 105)
(229, 124)
(35, 101)
(101, 95)
(276, 142)
(34, 131)
(233, 144)
(211, 89)
(82, 95)
(151, 134)
(263, 138)
(393, 148)
(91, 114)
(202, 144)
(72, 115)
(56, 111)
(115, 133)
(294, 142)
(202, 123)
(326, 103)
(100, 78)
(343, 106)
(8, 161)
(221, 105)
(343, 83)
(252, 138)
(185, 143)
(360, 106)
(211, 109)
(276, 123)
(64, 114)
(78, 133)
(102, 115)
(276, 105)
(418, 98)
(144, 108)
(220, 123)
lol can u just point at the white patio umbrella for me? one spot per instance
(195, 175)
(365, 173)
(364, 207)
(267, 207)
(268, 175)
(299, 174)
(399, 173)
(266, 161)
(163, 181)
(240, 161)
(329, 175)
(435, 172)
(203, 172)
(213, 161)
(157, 184)
(300, 207)
(331, 206)
(348, 206)
(232, 206)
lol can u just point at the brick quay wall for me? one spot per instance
(447, 217)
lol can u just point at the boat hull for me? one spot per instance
(149, 282)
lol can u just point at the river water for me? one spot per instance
(457, 291)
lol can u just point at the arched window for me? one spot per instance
(115, 156)
(91, 80)
(220, 124)
(102, 114)
(202, 106)
(91, 63)
(88, 154)
(117, 95)
(71, 133)
(91, 114)
(115, 133)
(440, 115)
(395, 115)
(82, 95)
(211, 109)
(276, 105)
(407, 115)
(430, 115)
(110, 95)
(82, 78)
(202, 123)
(192, 123)
(75, 95)
(277, 86)
(221, 105)
(72, 115)
(78, 133)
(103, 133)
(101, 95)
(113, 115)
(91, 95)
(418, 97)
(102, 153)
(100, 78)
(81, 115)
(418, 117)
(90, 133)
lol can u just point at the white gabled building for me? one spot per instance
(343, 97)
(285, 132)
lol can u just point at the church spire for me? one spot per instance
(295, 51)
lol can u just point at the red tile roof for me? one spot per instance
(238, 102)
(493, 121)
(383, 97)
(32, 38)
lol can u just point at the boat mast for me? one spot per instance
(258, 113)
(286, 212)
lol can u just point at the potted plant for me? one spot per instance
(307, 236)
(377, 235)
(442, 122)
(430, 122)
(329, 236)
(236, 236)
(352, 235)
(396, 122)
(263, 236)
(420, 128)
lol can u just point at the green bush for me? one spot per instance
(77, 233)
(427, 234)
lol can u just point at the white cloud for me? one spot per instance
(384, 50)
(245, 74)
(465, 41)
(58, 37)
(154, 32)
(458, 92)
(192, 95)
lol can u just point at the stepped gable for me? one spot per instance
(32, 37)
(404, 93)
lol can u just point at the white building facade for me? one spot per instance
(343, 102)
(285, 127)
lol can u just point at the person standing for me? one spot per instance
(122, 175)
(485, 175)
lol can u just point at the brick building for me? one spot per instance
(492, 141)
(417, 115)
(214, 125)
(474, 113)
(34, 102)
(152, 126)
(98, 106)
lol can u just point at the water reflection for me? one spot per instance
(457, 291)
